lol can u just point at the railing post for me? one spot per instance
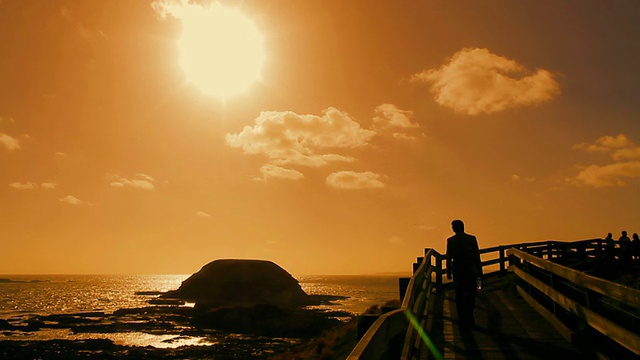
(439, 273)
(582, 252)
(502, 259)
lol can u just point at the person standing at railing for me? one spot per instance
(635, 249)
(463, 263)
(625, 250)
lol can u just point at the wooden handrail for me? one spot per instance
(626, 296)
(428, 277)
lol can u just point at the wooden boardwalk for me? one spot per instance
(506, 328)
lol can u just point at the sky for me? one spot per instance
(330, 137)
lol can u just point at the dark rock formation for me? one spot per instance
(266, 320)
(241, 282)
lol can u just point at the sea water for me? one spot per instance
(27, 295)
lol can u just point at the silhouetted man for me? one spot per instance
(463, 262)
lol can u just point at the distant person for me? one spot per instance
(609, 246)
(463, 262)
(625, 250)
(635, 249)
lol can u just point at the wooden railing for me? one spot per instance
(418, 303)
(389, 334)
(602, 314)
(401, 332)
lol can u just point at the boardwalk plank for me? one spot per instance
(507, 328)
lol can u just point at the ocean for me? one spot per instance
(24, 296)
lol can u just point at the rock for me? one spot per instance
(146, 293)
(239, 282)
(265, 320)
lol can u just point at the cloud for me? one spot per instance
(396, 240)
(606, 144)
(31, 185)
(23, 186)
(72, 200)
(354, 180)
(203, 214)
(475, 81)
(287, 138)
(9, 142)
(607, 175)
(388, 115)
(516, 178)
(48, 185)
(625, 155)
(274, 171)
(140, 181)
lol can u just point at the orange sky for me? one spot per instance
(373, 124)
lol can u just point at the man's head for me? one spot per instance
(457, 226)
(624, 233)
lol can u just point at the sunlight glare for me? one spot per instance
(221, 50)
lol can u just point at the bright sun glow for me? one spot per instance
(221, 51)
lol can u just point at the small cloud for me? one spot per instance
(273, 171)
(203, 214)
(90, 34)
(606, 144)
(627, 153)
(23, 186)
(48, 185)
(626, 165)
(9, 142)
(72, 200)
(475, 81)
(354, 180)
(607, 175)
(388, 115)
(285, 137)
(404, 137)
(396, 240)
(517, 178)
(272, 242)
(140, 181)
(64, 11)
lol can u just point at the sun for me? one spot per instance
(221, 50)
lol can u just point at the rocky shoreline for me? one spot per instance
(235, 333)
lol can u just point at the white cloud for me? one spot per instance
(354, 180)
(140, 181)
(9, 142)
(274, 171)
(475, 81)
(31, 185)
(388, 115)
(607, 175)
(48, 185)
(203, 214)
(72, 200)
(23, 186)
(289, 138)
(626, 165)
